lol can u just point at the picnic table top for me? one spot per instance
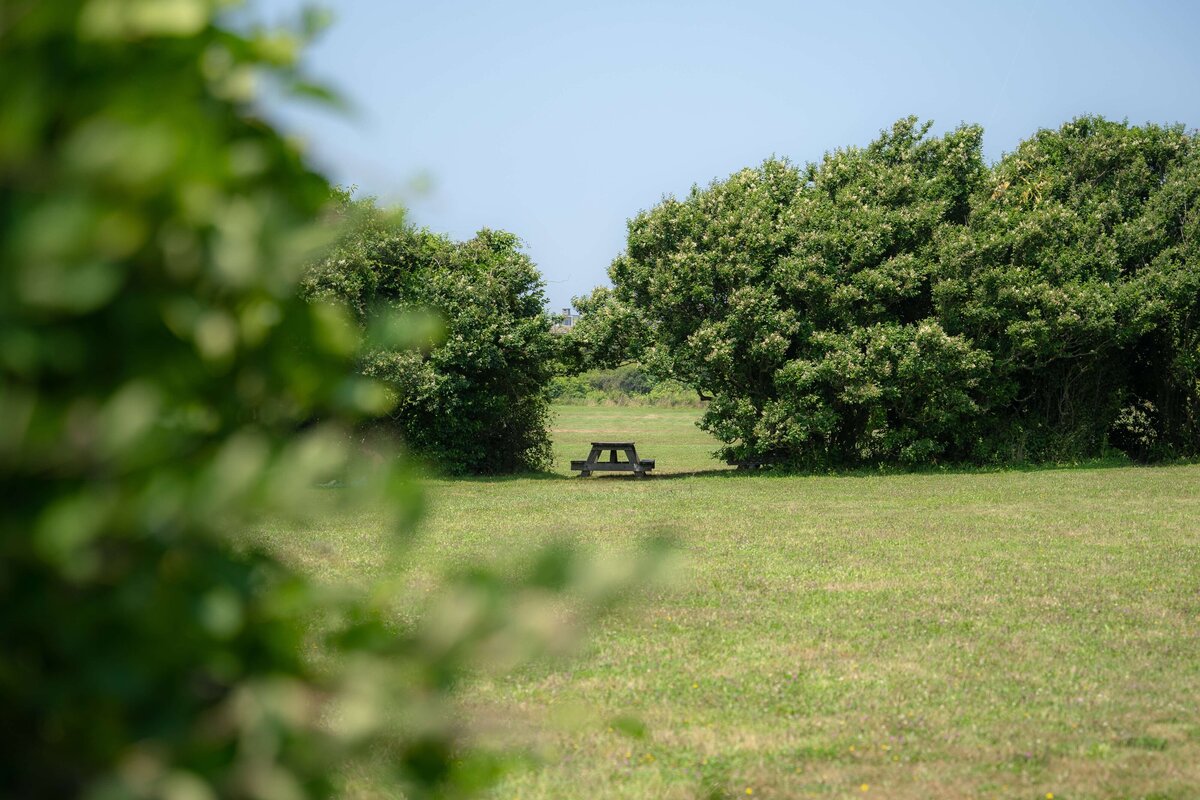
(603, 445)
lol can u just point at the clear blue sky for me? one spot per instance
(558, 121)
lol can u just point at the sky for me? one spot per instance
(559, 121)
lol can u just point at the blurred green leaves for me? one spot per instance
(162, 384)
(130, 19)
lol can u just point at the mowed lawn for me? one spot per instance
(1009, 634)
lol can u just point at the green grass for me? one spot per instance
(1006, 634)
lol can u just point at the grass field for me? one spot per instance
(1011, 634)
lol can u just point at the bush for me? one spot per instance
(155, 362)
(626, 385)
(903, 303)
(1079, 272)
(627, 379)
(476, 399)
(157, 369)
(566, 388)
(798, 299)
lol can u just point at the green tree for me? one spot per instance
(608, 334)
(800, 301)
(1077, 272)
(475, 400)
(903, 303)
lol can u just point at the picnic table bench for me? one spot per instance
(749, 463)
(638, 466)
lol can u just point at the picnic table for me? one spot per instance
(638, 466)
(749, 463)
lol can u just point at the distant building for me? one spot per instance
(566, 323)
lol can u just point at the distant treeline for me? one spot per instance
(905, 302)
(627, 385)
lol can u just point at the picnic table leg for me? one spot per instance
(631, 454)
(595, 459)
(593, 456)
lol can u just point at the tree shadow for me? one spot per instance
(605, 476)
(730, 473)
(1090, 465)
(715, 472)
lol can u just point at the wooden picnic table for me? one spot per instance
(749, 463)
(638, 466)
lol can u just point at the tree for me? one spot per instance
(799, 300)
(476, 399)
(1077, 272)
(904, 303)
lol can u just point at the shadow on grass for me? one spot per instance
(727, 473)
(716, 472)
(974, 469)
(886, 471)
(604, 476)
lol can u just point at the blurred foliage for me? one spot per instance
(162, 384)
(905, 303)
(474, 400)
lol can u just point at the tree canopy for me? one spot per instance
(904, 302)
(475, 398)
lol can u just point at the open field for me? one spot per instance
(1014, 634)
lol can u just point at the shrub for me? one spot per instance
(904, 303)
(476, 399)
(565, 388)
(155, 360)
(799, 300)
(626, 385)
(1078, 272)
(156, 364)
(628, 379)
